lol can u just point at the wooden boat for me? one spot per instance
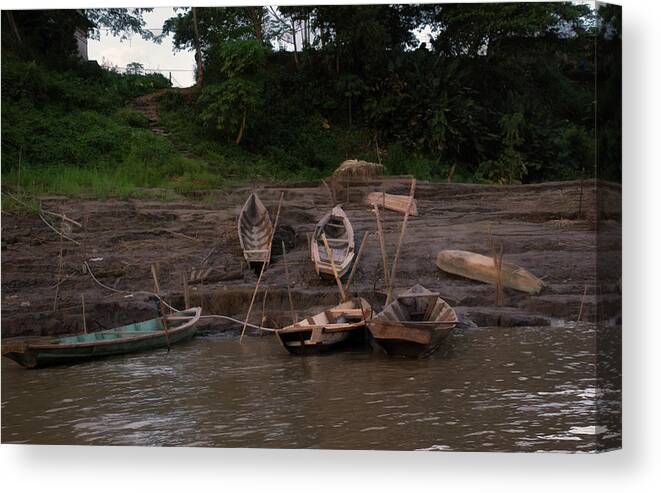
(255, 232)
(130, 338)
(397, 203)
(339, 234)
(482, 268)
(414, 325)
(341, 326)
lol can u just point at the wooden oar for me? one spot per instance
(329, 252)
(399, 242)
(355, 263)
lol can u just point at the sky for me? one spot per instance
(112, 50)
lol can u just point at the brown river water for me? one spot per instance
(487, 389)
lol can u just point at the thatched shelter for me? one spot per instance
(358, 168)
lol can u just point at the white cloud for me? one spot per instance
(154, 57)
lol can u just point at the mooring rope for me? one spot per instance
(132, 293)
(252, 326)
(122, 291)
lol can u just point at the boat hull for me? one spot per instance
(44, 355)
(355, 339)
(255, 231)
(341, 327)
(482, 268)
(406, 341)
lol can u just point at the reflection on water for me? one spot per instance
(518, 389)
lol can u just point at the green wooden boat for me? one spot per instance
(131, 338)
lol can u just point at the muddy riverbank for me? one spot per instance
(547, 228)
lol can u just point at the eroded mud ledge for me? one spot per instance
(547, 228)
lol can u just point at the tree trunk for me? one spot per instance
(293, 33)
(14, 27)
(198, 50)
(451, 173)
(242, 129)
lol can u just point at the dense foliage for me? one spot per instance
(499, 93)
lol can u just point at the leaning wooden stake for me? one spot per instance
(291, 300)
(82, 299)
(262, 319)
(399, 242)
(329, 252)
(157, 287)
(580, 311)
(382, 242)
(498, 264)
(330, 193)
(60, 265)
(355, 263)
(252, 302)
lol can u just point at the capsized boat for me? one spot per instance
(339, 327)
(481, 268)
(141, 336)
(414, 324)
(255, 232)
(339, 234)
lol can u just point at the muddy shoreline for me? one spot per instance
(550, 229)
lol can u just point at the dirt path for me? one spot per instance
(547, 228)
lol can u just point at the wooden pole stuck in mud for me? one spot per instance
(355, 263)
(400, 241)
(60, 265)
(382, 243)
(580, 311)
(157, 287)
(329, 252)
(331, 194)
(82, 300)
(252, 302)
(294, 318)
(262, 319)
(498, 266)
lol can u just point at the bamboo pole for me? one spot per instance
(330, 193)
(382, 242)
(399, 242)
(294, 318)
(580, 311)
(275, 223)
(262, 319)
(82, 299)
(355, 263)
(252, 301)
(161, 307)
(329, 252)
